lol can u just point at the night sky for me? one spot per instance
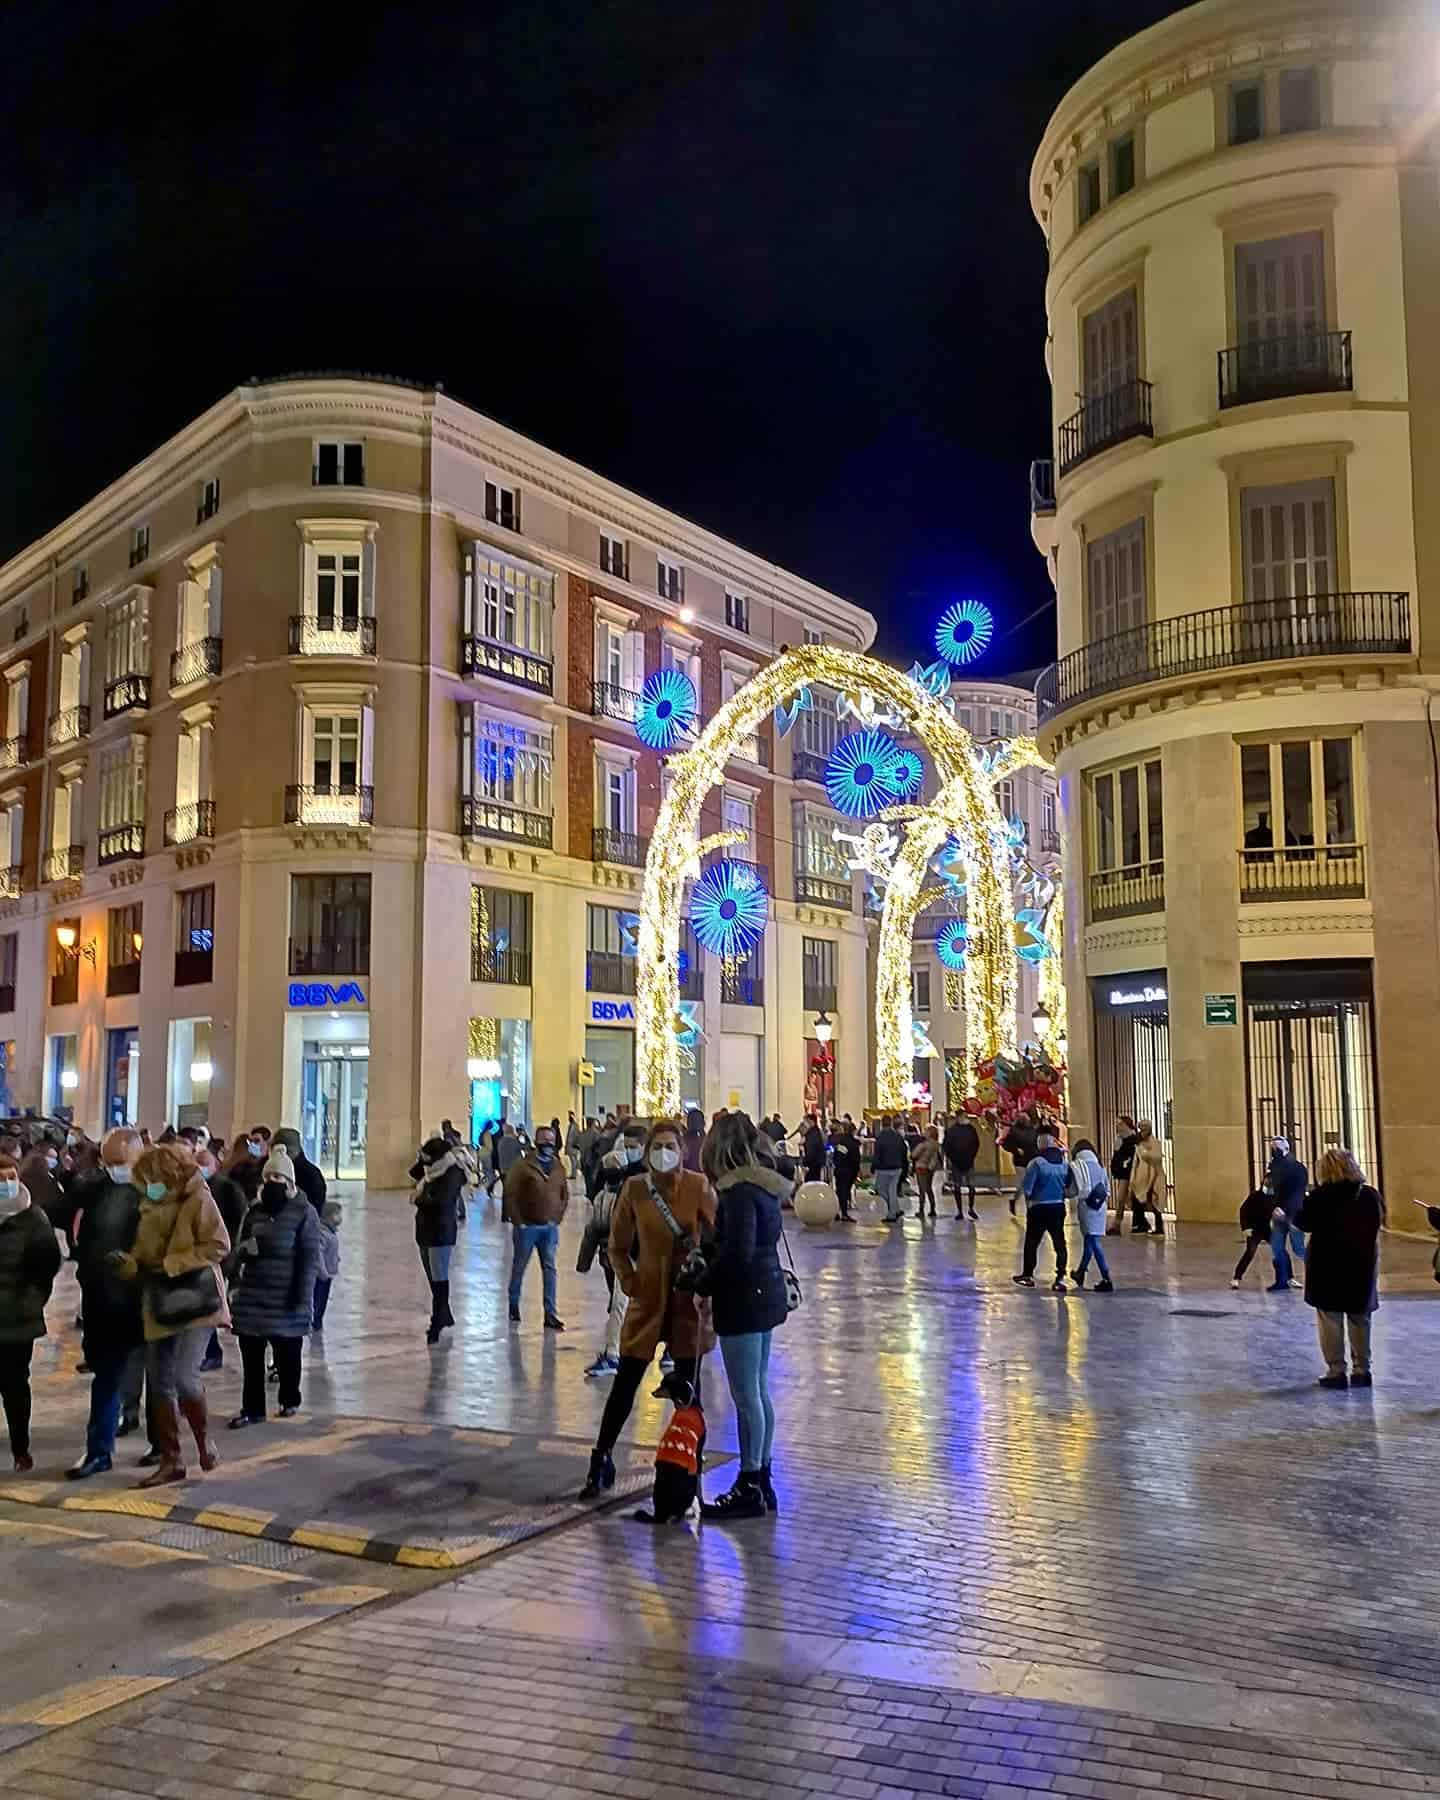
(772, 265)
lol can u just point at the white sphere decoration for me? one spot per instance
(815, 1203)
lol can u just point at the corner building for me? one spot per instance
(324, 801)
(1241, 211)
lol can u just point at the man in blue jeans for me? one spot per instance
(1288, 1179)
(536, 1195)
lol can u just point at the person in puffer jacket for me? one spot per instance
(279, 1259)
(1091, 1188)
(1047, 1175)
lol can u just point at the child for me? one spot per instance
(1255, 1211)
(330, 1216)
(679, 1462)
(1092, 1208)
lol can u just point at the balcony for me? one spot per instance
(609, 972)
(1227, 637)
(623, 847)
(610, 702)
(480, 817)
(65, 982)
(1309, 872)
(508, 968)
(66, 864)
(1122, 893)
(120, 841)
(122, 979)
(12, 881)
(1042, 486)
(70, 726)
(125, 693)
(738, 987)
(1049, 841)
(506, 662)
(346, 955)
(193, 968)
(1276, 368)
(822, 890)
(195, 662)
(808, 765)
(189, 823)
(753, 749)
(1120, 413)
(12, 752)
(331, 636)
(330, 803)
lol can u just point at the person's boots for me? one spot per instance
(440, 1305)
(165, 1423)
(746, 1500)
(197, 1417)
(437, 1314)
(767, 1488)
(601, 1476)
(445, 1304)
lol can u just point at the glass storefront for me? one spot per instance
(613, 1054)
(187, 1089)
(122, 1077)
(62, 1077)
(499, 1071)
(1132, 1057)
(334, 1106)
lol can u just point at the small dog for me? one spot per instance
(679, 1461)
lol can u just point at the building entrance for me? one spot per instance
(334, 1107)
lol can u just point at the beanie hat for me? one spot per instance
(278, 1167)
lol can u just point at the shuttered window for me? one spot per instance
(1289, 541)
(1112, 345)
(1280, 286)
(1116, 588)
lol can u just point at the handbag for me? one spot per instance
(179, 1300)
(794, 1293)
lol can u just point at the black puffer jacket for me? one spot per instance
(437, 1204)
(743, 1276)
(276, 1294)
(29, 1260)
(111, 1307)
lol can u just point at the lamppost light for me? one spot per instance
(824, 1028)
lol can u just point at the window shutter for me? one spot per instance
(1289, 541)
(634, 661)
(367, 746)
(215, 596)
(367, 579)
(1280, 287)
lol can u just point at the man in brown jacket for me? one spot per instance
(536, 1195)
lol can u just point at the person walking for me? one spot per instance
(114, 1332)
(536, 1196)
(694, 1140)
(1148, 1181)
(660, 1213)
(1046, 1177)
(1122, 1167)
(439, 1181)
(888, 1165)
(279, 1260)
(1092, 1210)
(745, 1284)
(625, 1155)
(508, 1150)
(1343, 1215)
(961, 1145)
(180, 1243)
(572, 1146)
(925, 1160)
(40, 1177)
(1021, 1142)
(1255, 1211)
(29, 1263)
(309, 1177)
(845, 1162)
(1287, 1178)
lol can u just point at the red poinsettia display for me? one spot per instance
(1009, 1085)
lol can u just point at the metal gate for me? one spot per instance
(1132, 1068)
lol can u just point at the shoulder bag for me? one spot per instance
(794, 1293)
(179, 1300)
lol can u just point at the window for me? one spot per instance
(337, 589)
(820, 724)
(122, 800)
(194, 813)
(997, 724)
(334, 751)
(127, 636)
(12, 849)
(1129, 820)
(9, 969)
(1111, 346)
(209, 500)
(1280, 287)
(1247, 112)
(1299, 99)
(139, 544)
(62, 1077)
(123, 940)
(512, 765)
(67, 818)
(1289, 545)
(614, 794)
(737, 813)
(338, 464)
(813, 635)
(610, 949)
(508, 603)
(669, 580)
(1087, 190)
(1005, 798)
(330, 925)
(1115, 590)
(1297, 794)
(79, 585)
(17, 708)
(1122, 166)
(500, 936)
(818, 969)
(502, 505)
(815, 849)
(197, 625)
(615, 557)
(1050, 819)
(682, 655)
(742, 979)
(920, 991)
(620, 665)
(194, 935)
(737, 612)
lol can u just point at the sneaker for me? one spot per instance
(973, 1213)
(746, 1500)
(514, 1315)
(1334, 1381)
(1107, 1286)
(242, 1419)
(1365, 1380)
(603, 1365)
(1234, 1284)
(1023, 1280)
(1057, 1286)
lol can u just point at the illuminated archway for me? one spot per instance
(971, 813)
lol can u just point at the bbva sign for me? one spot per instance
(321, 993)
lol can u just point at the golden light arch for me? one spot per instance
(971, 813)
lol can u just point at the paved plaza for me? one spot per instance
(1105, 1545)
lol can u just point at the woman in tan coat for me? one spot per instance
(647, 1249)
(1148, 1182)
(180, 1234)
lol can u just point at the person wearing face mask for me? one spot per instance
(617, 1165)
(29, 1262)
(40, 1175)
(114, 1332)
(279, 1257)
(661, 1213)
(536, 1197)
(246, 1162)
(180, 1243)
(230, 1198)
(439, 1182)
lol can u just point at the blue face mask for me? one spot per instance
(546, 1154)
(154, 1190)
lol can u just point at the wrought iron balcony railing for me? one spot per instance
(185, 824)
(195, 662)
(624, 847)
(1049, 842)
(506, 662)
(609, 972)
(116, 842)
(1121, 893)
(607, 701)
(808, 765)
(125, 693)
(330, 803)
(753, 749)
(1303, 872)
(508, 968)
(1121, 412)
(1042, 486)
(1274, 368)
(331, 636)
(739, 988)
(70, 726)
(12, 752)
(1373, 623)
(65, 864)
(12, 881)
(480, 817)
(822, 890)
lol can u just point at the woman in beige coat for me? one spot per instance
(180, 1232)
(1148, 1183)
(646, 1253)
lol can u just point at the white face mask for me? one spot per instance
(663, 1159)
(51, 1160)
(634, 1152)
(255, 1147)
(118, 1172)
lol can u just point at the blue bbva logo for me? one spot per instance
(612, 1009)
(321, 993)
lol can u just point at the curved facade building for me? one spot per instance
(1241, 520)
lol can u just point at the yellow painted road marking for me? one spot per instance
(235, 1640)
(36, 1531)
(234, 1577)
(330, 1537)
(83, 1699)
(132, 1554)
(341, 1596)
(243, 1520)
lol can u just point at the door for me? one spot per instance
(1279, 304)
(335, 1114)
(1111, 351)
(1290, 580)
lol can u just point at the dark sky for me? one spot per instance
(771, 264)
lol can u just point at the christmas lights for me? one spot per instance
(964, 631)
(907, 774)
(728, 908)
(862, 774)
(950, 945)
(667, 709)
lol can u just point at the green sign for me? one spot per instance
(1221, 1009)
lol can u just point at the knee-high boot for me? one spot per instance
(197, 1416)
(437, 1312)
(447, 1317)
(165, 1423)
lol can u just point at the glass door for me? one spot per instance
(320, 1111)
(354, 1115)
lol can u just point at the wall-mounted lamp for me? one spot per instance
(137, 938)
(67, 936)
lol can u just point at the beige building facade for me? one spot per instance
(1241, 211)
(324, 800)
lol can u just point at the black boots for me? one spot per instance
(746, 1500)
(601, 1477)
(767, 1488)
(441, 1316)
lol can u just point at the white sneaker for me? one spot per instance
(1234, 1284)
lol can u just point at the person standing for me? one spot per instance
(961, 1145)
(812, 1150)
(330, 1221)
(1046, 1176)
(247, 1161)
(890, 1161)
(309, 1177)
(845, 1161)
(745, 1285)
(114, 1332)
(1122, 1167)
(439, 1182)
(536, 1196)
(617, 1165)
(1287, 1179)
(1092, 1209)
(29, 1263)
(39, 1176)
(1343, 1215)
(925, 1159)
(1021, 1141)
(1148, 1181)
(230, 1198)
(279, 1253)
(572, 1146)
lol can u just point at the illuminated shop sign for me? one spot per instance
(612, 1012)
(322, 993)
(1145, 996)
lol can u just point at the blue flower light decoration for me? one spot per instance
(728, 908)
(909, 773)
(964, 631)
(667, 709)
(950, 945)
(860, 773)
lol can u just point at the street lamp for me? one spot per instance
(824, 1031)
(1040, 1021)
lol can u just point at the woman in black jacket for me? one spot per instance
(439, 1183)
(746, 1287)
(845, 1161)
(1343, 1215)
